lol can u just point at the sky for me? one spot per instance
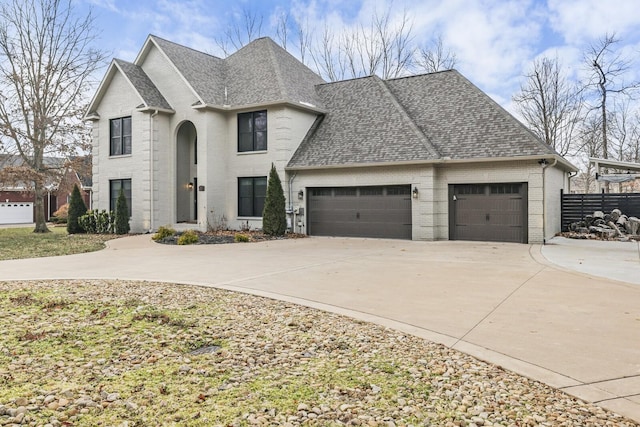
(495, 41)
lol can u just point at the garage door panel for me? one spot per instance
(381, 212)
(489, 212)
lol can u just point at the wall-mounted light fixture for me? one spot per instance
(542, 162)
(190, 186)
(300, 195)
(414, 193)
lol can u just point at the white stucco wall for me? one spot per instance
(430, 212)
(120, 101)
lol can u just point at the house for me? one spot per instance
(17, 197)
(190, 138)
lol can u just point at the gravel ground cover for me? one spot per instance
(120, 353)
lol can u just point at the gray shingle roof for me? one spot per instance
(371, 121)
(149, 93)
(461, 121)
(363, 124)
(205, 73)
(259, 73)
(263, 72)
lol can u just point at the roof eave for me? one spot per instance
(442, 161)
(152, 109)
(301, 105)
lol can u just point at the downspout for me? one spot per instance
(151, 204)
(290, 210)
(545, 165)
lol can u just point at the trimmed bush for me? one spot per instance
(77, 208)
(189, 237)
(274, 217)
(96, 222)
(122, 214)
(163, 232)
(240, 238)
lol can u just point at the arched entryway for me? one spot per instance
(186, 173)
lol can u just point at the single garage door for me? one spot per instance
(488, 212)
(380, 211)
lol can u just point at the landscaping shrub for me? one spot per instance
(240, 238)
(163, 232)
(96, 222)
(122, 214)
(62, 214)
(189, 237)
(274, 219)
(77, 208)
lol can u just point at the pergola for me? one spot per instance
(632, 170)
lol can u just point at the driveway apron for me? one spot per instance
(504, 303)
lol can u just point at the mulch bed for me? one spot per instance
(228, 236)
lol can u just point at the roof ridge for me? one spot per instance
(416, 129)
(276, 67)
(185, 47)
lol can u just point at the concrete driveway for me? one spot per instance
(504, 303)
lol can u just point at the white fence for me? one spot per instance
(16, 213)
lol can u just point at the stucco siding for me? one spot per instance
(555, 180)
(120, 101)
(286, 127)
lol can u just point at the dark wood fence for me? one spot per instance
(576, 206)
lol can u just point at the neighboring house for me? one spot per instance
(17, 198)
(191, 138)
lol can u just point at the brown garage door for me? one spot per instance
(381, 211)
(488, 212)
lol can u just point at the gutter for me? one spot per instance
(439, 161)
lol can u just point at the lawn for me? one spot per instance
(17, 243)
(120, 353)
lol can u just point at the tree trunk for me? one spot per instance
(41, 218)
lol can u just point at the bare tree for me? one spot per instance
(607, 69)
(46, 67)
(550, 106)
(384, 47)
(436, 57)
(590, 145)
(242, 30)
(283, 26)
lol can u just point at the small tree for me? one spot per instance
(122, 214)
(77, 208)
(274, 220)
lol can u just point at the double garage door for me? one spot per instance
(481, 212)
(376, 211)
(488, 212)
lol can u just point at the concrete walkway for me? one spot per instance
(504, 303)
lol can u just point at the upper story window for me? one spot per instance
(252, 131)
(120, 133)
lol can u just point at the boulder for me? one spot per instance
(633, 225)
(615, 214)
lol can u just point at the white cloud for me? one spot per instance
(582, 21)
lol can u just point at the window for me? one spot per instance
(399, 190)
(120, 131)
(114, 190)
(252, 131)
(505, 188)
(251, 195)
(346, 191)
(371, 191)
